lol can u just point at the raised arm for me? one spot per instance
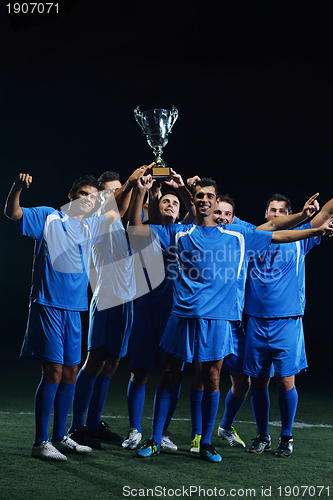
(325, 213)
(292, 220)
(285, 236)
(143, 184)
(13, 208)
(176, 182)
(122, 197)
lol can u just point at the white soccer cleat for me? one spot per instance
(68, 445)
(133, 439)
(46, 451)
(166, 442)
(231, 436)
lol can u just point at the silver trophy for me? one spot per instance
(156, 125)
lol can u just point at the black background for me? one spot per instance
(253, 85)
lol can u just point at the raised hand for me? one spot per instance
(311, 206)
(23, 181)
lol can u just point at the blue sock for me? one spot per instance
(62, 404)
(260, 405)
(209, 408)
(44, 399)
(83, 391)
(175, 393)
(135, 402)
(288, 405)
(196, 416)
(97, 401)
(161, 407)
(232, 405)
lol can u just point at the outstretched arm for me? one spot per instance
(325, 213)
(285, 236)
(13, 208)
(289, 221)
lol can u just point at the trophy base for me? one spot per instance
(161, 173)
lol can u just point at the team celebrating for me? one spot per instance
(169, 287)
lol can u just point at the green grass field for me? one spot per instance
(113, 472)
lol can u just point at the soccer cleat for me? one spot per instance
(102, 433)
(195, 444)
(231, 436)
(46, 451)
(285, 448)
(148, 449)
(208, 453)
(68, 445)
(81, 436)
(133, 439)
(260, 444)
(166, 442)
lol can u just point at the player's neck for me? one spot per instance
(204, 221)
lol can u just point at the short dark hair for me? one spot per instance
(206, 181)
(170, 192)
(108, 176)
(279, 197)
(227, 199)
(85, 180)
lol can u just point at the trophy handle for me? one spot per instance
(174, 116)
(138, 116)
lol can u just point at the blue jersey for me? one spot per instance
(62, 256)
(276, 282)
(114, 266)
(211, 264)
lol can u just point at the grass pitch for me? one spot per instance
(115, 473)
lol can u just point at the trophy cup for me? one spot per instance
(156, 125)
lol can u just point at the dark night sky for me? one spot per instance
(252, 82)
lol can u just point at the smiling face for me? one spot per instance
(204, 200)
(223, 213)
(276, 209)
(169, 207)
(83, 200)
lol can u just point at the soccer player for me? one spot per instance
(151, 315)
(63, 241)
(212, 263)
(275, 302)
(110, 323)
(224, 213)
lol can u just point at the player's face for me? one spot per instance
(223, 213)
(204, 200)
(85, 198)
(108, 188)
(169, 206)
(276, 209)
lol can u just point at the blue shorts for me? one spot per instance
(110, 328)
(53, 334)
(148, 328)
(234, 362)
(277, 343)
(196, 339)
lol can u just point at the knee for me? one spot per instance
(69, 374)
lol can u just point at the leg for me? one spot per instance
(240, 385)
(63, 401)
(171, 371)
(44, 398)
(260, 406)
(100, 392)
(135, 402)
(85, 385)
(288, 399)
(210, 402)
